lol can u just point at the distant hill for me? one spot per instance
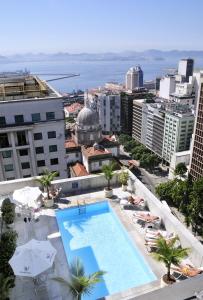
(147, 55)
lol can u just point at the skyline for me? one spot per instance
(96, 27)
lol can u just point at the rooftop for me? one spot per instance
(92, 151)
(19, 87)
(79, 170)
(70, 144)
(73, 107)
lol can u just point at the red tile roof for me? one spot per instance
(73, 107)
(91, 151)
(79, 170)
(70, 144)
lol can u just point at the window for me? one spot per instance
(100, 163)
(53, 148)
(37, 136)
(54, 161)
(10, 178)
(51, 134)
(74, 185)
(19, 119)
(39, 150)
(26, 176)
(36, 117)
(41, 163)
(25, 165)
(76, 154)
(21, 137)
(4, 140)
(50, 116)
(23, 152)
(2, 121)
(6, 154)
(8, 167)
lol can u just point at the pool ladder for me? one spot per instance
(81, 208)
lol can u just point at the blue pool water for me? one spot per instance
(102, 243)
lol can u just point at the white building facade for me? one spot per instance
(31, 135)
(134, 78)
(167, 87)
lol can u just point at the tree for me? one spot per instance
(123, 176)
(46, 180)
(178, 193)
(180, 169)
(80, 284)
(164, 190)
(70, 120)
(123, 138)
(8, 212)
(108, 171)
(169, 253)
(5, 284)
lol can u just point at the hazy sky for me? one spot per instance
(100, 25)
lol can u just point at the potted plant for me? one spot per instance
(45, 181)
(8, 212)
(79, 283)
(108, 171)
(123, 178)
(169, 253)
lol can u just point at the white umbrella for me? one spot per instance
(33, 258)
(27, 196)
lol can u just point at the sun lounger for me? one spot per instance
(187, 271)
(147, 217)
(124, 203)
(153, 237)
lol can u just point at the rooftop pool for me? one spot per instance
(98, 238)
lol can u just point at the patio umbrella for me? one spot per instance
(27, 196)
(33, 258)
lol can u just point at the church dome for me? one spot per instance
(87, 117)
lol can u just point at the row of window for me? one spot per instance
(26, 165)
(24, 152)
(36, 117)
(26, 176)
(50, 134)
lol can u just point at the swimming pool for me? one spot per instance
(100, 240)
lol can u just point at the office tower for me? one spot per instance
(167, 87)
(31, 128)
(196, 167)
(134, 78)
(185, 68)
(178, 131)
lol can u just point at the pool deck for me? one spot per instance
(47, 228)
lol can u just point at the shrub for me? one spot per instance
(8, 211)
(123, 177)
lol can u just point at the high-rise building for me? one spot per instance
(167, 87)
(31, 128)
(185, 68)
(178, 131)
(196, 166)
(134, 78)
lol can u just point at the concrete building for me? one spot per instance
(134, 78)
(178, 131)
(138, 106)
(179, 157)
(71, 111)
(196, 166)
(167, 87)
(31, 128)
(185, 68)
(197, 79)
(107, 102)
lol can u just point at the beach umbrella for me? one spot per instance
(32, 258)
(27, 196)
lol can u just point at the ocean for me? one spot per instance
(93, 73)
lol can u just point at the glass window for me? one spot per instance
(8, 167)
(36, 117)
(50, 115)
(26, 176)
(37, 136)
(51, 134)
(19, 119)
(4, 140)
(10, 178)
(25, 165)
(21, 137)
(23, 152)
(39, 150)
(54, 161)
(2, 121)
(41, 163)
(74, 185)
(53, 148)
(6, 154)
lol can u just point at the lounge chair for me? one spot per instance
(147, 217)
(187, 271)
(160, 233)
(132, 203)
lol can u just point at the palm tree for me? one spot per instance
(46, 180)
(79, 283)
(108, 173)
(5, 285)
(169, 253)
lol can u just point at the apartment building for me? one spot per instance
(185, 68)
(31, 128)
(196, 166)
(178, 129)
(167, 87)
(138, 106)
(107, 102)
(134, 78)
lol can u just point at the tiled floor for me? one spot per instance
(47, 228)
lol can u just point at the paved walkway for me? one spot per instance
(46, 228)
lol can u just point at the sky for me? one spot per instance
(77, 26)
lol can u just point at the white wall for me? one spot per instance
(167, 87)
